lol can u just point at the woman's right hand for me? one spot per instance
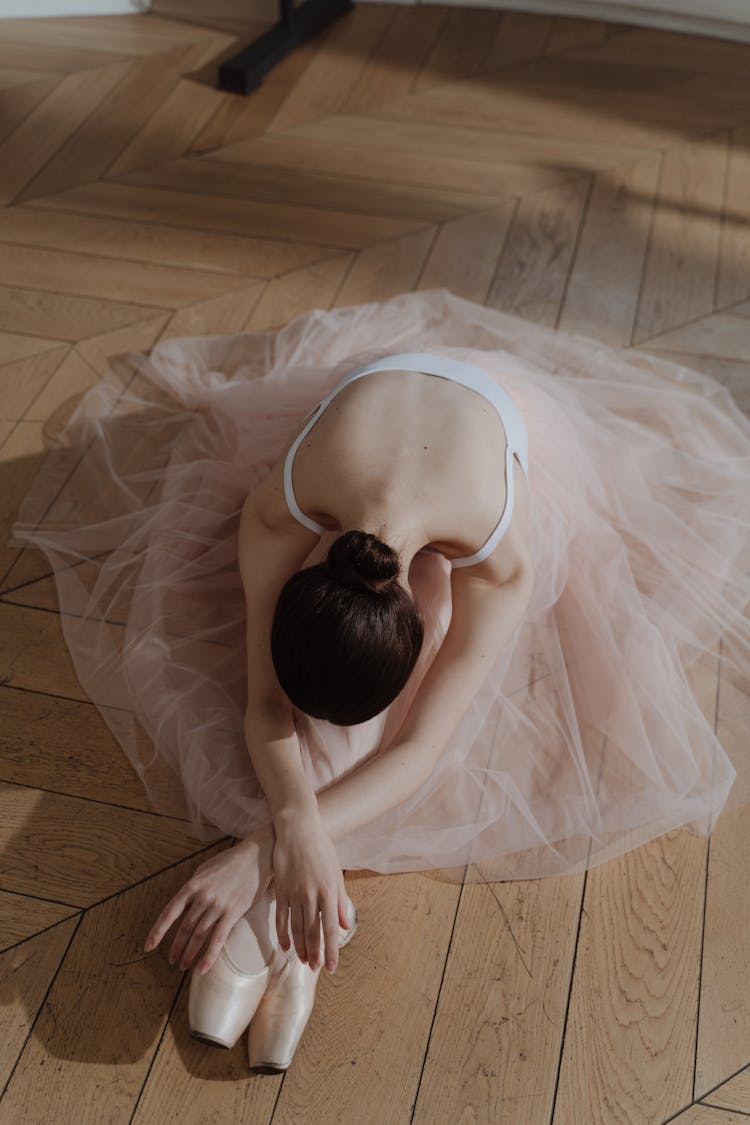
(308, 883)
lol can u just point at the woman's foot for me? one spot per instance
(283, 1013)
(223, 1001)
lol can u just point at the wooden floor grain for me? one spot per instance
(589, 176)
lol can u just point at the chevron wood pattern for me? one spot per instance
(589, 176)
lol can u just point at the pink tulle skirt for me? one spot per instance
(586, 738)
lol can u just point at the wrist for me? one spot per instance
(294, 816)
(259, 839)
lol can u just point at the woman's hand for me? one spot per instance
(308, 882)
(215, 897)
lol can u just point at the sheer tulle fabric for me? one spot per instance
(586, 738)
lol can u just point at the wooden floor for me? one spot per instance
(588, 176)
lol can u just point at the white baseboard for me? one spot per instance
(724, 19)
(44, 9)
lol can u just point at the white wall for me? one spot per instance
(37, 9)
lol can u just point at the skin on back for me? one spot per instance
(425, 447)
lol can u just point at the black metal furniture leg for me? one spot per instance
(243, 73)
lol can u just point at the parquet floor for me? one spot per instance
(589, 176)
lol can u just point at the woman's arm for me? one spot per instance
(268, 557)
(484, 618)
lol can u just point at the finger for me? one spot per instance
(282, 922)
(312, 932)
(171, 911)
(221, 933)
(331, 933)
(198, 937)
(298, 931)
(183, 934)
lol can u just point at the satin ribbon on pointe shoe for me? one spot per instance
(283, 1013)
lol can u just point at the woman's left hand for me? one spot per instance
(215, 897)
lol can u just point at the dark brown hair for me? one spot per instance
(346, 634)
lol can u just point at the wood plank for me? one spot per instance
(71, 378)
(66, 747)
(170, 129)
(128, 34)
(462, 42)
(464, 254)
(21, 917)
(500, 1017)
(602, 117)
(718, 335)
(312, 225)
(379, 165)
(592, 74)
(389, 979)
(20, 101)
(297, 292)
(489, 144)
(238, 118)
(28, 565)
(24, 381)
(26, 972)
(705, 1115)
(231, 14)
(219, 316)
(399, 60)
(101, 1023)
(139, 337)
(20, 457)
(299, 187)
(45, 129)
(10, 77)
(122, 112)
(600, 302)
(33, 654)
(14, 347)
(520, 36)
(733, 374)
(55, 60)
(533, 268)
(633, 1007)
(153, 243)
(634, 996)
(679, 279)
(724, 1027)
(387, 269)
(568, 32)
(734, 1094)
(40, 312)
(326, 83)
(694, 54)
(88, 275)
(190, 1081)
(734, 261)
(77, 851)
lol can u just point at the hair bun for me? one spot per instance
(362, 560)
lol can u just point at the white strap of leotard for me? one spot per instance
(288, 487)
(497, 534)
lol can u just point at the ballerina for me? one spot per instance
(339, 641)
(266, 559)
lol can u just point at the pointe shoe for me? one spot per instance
(222, 1001)
(283, 1013)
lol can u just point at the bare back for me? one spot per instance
(428, 446)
